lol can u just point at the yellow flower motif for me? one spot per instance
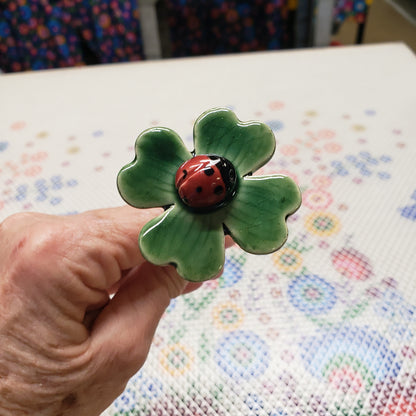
(228, 316)
(287, 259)
(358, 127)
(176, 359)
(42, 134)
(322, 224)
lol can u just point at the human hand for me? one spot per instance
(65, 347)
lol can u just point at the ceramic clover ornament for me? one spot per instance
(208, 193)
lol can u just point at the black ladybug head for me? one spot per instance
(227, 171)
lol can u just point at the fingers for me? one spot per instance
(93, 311)
(116, 232)
(96, 245)
(104, 244)
(120, 228)
(229, 242)
(191, 287)
(125, 328)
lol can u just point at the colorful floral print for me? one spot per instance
(41, 35)
(218, 26)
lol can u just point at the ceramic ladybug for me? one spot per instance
(206, 181)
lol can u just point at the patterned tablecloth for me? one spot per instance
(325, 326)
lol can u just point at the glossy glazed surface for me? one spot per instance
(206, 182)
(187, 234)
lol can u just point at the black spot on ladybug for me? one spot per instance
(218, 190)
(206, 182)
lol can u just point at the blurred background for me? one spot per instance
(40, 34)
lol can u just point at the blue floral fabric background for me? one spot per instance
(226, 26)
(355, 9)
(53, 34)
(48, 34)
(324, 326)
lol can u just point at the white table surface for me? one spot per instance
(345, 124)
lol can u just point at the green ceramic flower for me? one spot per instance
(208, 193)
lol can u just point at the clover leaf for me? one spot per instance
(207, 192)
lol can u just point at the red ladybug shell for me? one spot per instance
(205, 181)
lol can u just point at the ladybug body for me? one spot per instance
(206, 181)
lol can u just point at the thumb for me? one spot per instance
(123, 332)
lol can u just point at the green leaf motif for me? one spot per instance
(149, 181)
(193, 242)
(257, 215)
(248, 146)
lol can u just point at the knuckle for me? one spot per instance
(37, 244)
(30, 232)
(30, 241)
(45, 240)
(14, 222)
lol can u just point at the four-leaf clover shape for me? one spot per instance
(208, 193)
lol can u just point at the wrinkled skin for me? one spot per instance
(65, 347)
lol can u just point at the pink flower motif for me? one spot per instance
(276, 105)
(33, 170)
(332, 147)
(289, 150)
(317, 199)
(346, 379)
(18, 125)
(321, 181)
(352, 264)
(326, 134)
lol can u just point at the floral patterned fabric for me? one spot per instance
(48, 34)
(356, 9)
(218, 26)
